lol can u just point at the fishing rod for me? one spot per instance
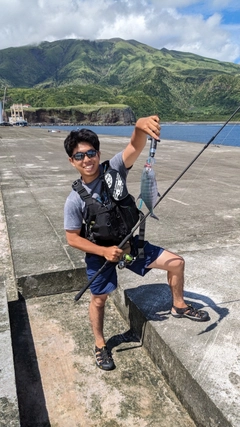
(125, 240)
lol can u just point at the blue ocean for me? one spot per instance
(201, 133)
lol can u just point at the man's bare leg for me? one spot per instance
(96, 315)
(174, 265)
(103, 356)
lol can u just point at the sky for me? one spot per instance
(209, 28)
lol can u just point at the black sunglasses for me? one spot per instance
(81, 156)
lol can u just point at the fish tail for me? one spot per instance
(154, 216)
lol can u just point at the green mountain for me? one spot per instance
(73, 73)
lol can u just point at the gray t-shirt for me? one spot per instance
(75, 207)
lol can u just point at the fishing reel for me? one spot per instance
(127, 259)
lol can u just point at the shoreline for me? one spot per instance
(220, 122)
(19, 132)
(170, 123)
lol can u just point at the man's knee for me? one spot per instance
(99, 300)
(176, 264)
(181, 263)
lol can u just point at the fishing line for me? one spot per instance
(197, 174)
(208, 160)
(200, 171)
(230, 130)
(128, 237)
(192, 181)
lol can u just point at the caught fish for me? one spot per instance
(149, 192)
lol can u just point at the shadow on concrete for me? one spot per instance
(147, 302)
(126, 337)
(221, 312)
(143, 306)
(31, 400)
(154, 302)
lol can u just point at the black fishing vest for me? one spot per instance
(110, 221)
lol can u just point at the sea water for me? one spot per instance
(202, 133)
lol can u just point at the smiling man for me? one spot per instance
(88, 230)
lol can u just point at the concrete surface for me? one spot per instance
(58, 383)
(9, 414)
(199, 219)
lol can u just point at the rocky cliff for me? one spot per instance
(101, 116)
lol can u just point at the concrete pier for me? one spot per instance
(169, 372)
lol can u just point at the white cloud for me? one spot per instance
(223, 4)
(186, 25)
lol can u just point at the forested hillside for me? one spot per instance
(75, 73)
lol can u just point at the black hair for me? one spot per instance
(77, 136)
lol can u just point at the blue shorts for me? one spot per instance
(106, 281)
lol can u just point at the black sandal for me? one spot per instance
(104, 358)
(191, 312)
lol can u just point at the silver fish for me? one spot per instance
(149, 192)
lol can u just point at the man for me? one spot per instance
(82, 148)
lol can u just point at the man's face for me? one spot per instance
(86, 160)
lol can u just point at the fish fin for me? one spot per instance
(140, 201)
(154, 216)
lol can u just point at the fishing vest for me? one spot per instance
(108, 222)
